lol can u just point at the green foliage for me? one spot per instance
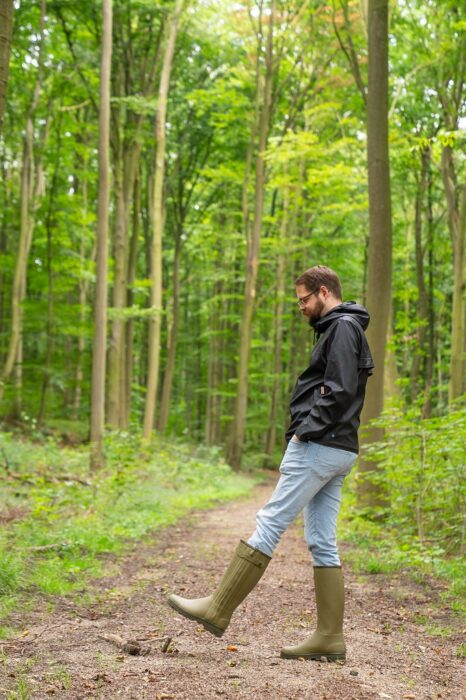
(420, 528)
(422, 471)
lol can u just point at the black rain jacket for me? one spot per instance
(328, 396)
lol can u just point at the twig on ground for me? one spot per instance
(49, 479)
(67, 477)
(48, 547)
(130, 646)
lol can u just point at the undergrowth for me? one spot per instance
(419, 525)
(59, 523)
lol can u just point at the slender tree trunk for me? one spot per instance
(171, 356)
(26, 219)
(427, 407)
(83, 291)
(6, 31)
(132, 263)
(252, 143)
(6, 196)
(278, 331)
(49, 331)
(236, 443)
(379, 271)
(126, 174)
(119, 254)
(97, 457)
(78, 390)
(214, 370)
(157, 227)
(456, 209)
(420, 352)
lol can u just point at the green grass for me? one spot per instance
(79, 526)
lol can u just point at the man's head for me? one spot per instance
(318, 291)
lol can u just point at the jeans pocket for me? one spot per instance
(331, 461)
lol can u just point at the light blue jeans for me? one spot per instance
(311, 477)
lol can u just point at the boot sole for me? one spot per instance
(314, 657)
(217, 631)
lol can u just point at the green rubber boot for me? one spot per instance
(327, 641)
(214, 612)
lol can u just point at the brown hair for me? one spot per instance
(320, 275)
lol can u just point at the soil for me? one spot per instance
(389, 623)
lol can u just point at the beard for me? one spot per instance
(316, 312)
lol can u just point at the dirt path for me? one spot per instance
(390, 655)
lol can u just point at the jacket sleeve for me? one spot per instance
(340, 382)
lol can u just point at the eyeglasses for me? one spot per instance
(303, 301)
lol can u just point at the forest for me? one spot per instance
(167, 170)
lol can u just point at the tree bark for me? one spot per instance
(236, 442)
(379, 269)
(6, 32)
(97, 457)
(157, 227)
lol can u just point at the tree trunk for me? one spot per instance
(83, 291)
(118, 292)
(97, 457)
(5, 177)
(132, 263)
(157, 227)
(26, 219)
(236, 443)
(214, 364)
(456, 210)
(379, 270)
(171, 355)
(429, 379)
(6, 31)
(117, 351)
(278, 331)
(420, 352)
(49, 222)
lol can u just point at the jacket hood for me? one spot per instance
(347, 308)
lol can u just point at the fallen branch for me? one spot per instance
(67, 477)
(26, 478)
(47, 547)
(130, 646)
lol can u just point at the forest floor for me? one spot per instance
(401, 640)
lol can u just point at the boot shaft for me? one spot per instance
(330, 598)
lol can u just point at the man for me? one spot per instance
(322, 447)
